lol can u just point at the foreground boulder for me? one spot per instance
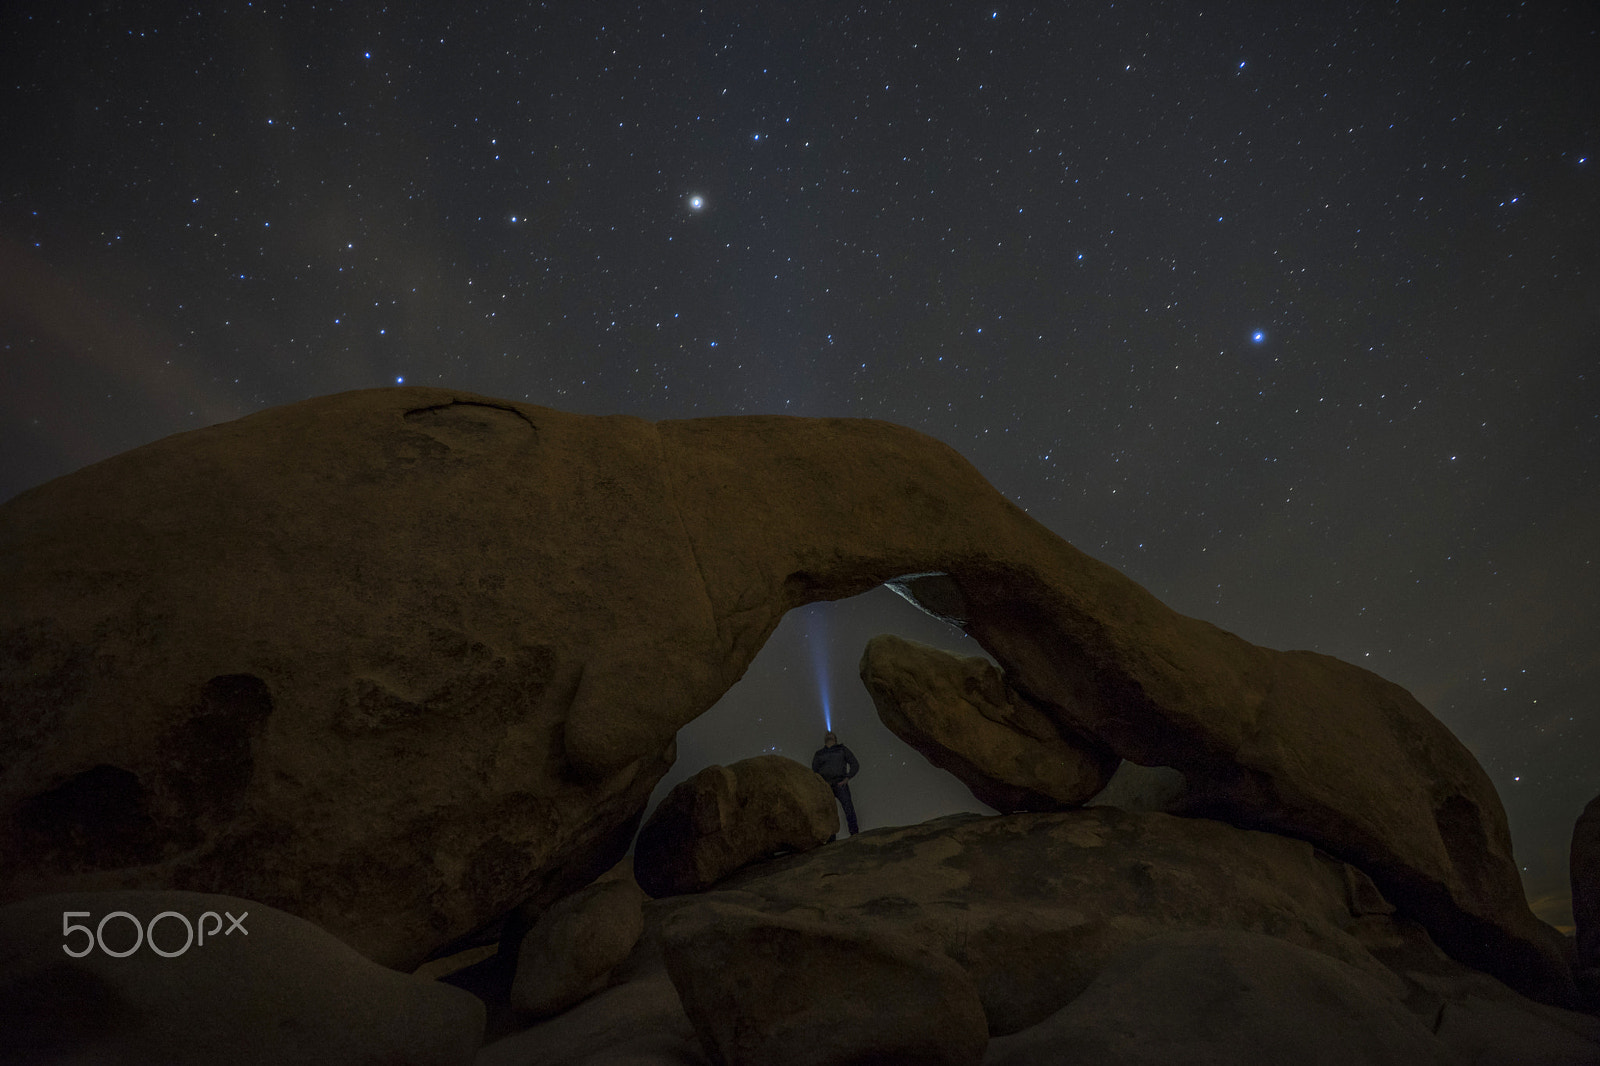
(572, 949)
(271, 990)
(1226, 996)
(963, 717)
(725, 817)
(784, 990)
(1014, 900)
(1032, 906)
(638, 1021)
(399, 660)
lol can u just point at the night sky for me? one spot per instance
(1289, 312)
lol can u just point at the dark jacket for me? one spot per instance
(837, 763)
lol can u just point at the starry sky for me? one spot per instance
(1289, 312)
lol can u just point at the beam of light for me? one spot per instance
(817, 637)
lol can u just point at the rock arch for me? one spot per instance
(479, 624)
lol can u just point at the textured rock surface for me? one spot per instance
(280, 993)
(280, 657)
(1032, 905)
(963, 717)
(1477, 1017)
(401, 659)
(786, 990)
(1585, 868)
(725, 817)
(1226, 998)
(1141, 880)
(571, 950)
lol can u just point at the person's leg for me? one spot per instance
(841, 790)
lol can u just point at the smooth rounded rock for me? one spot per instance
(571, 950)
(963, 717)
(725, 817)
(251, 986)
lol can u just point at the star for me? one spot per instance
(1258, 336)
(697, 202)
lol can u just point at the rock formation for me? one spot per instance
(1479, 1019)
(397, 660)
(639, 1020)
(764, 989)
(1226, 996)
(1053, 917)
(963, 717)
(272, 990)
(572, 949)
(725, 817)
(1032, 906)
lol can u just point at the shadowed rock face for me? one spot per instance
(963, 717)
(725, 817)
(396, 660)
(1227, 996)
(770, 990)
(573, 947)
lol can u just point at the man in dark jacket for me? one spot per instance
(837, 765)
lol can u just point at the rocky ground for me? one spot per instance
(1097, 935)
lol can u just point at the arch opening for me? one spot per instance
(804, 682)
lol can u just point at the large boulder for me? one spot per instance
(725, 817)
(322, 657)
(1085, 891)
(1226, 998)
(397, 660)
(963, 717)
(786, 990)
(217, 979)
(1032, 906)
(639, 1021)
(572, 949)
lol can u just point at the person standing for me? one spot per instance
(836, 764)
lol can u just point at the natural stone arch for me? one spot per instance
(479, 624)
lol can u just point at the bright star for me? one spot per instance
(696, 203)
(1258, 336)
